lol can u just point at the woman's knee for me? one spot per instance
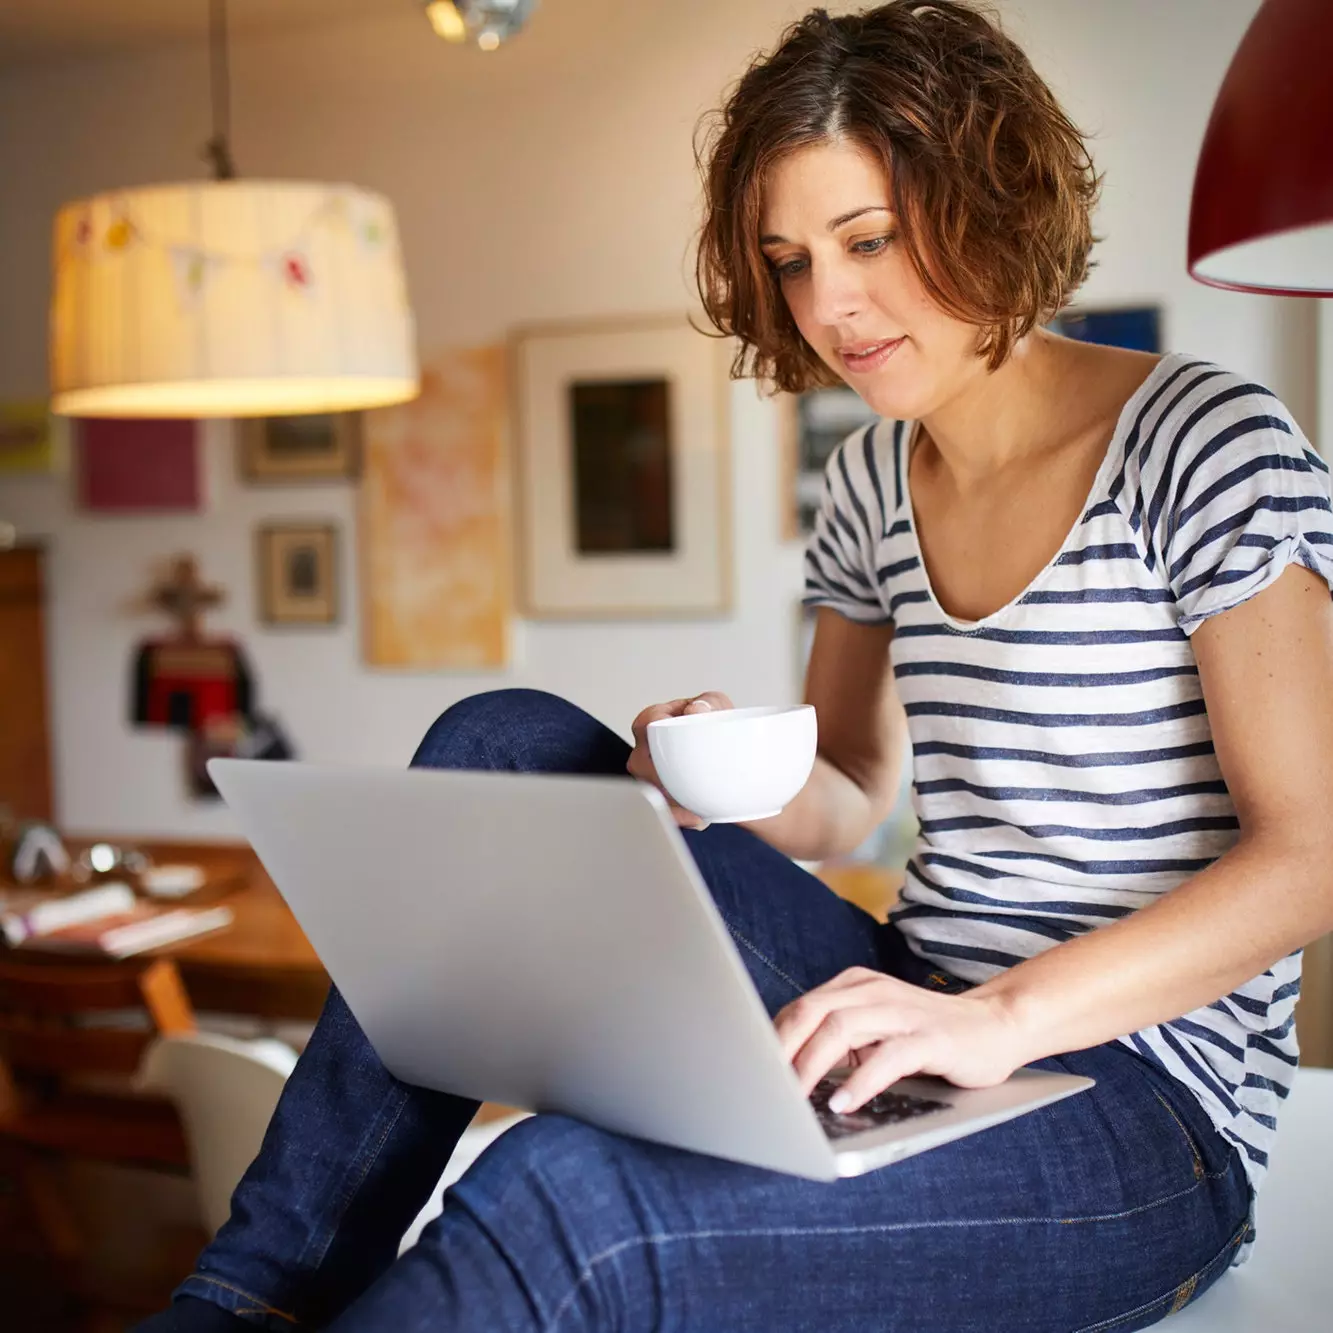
(520, 731)
(549, 1146)
(560, 1195)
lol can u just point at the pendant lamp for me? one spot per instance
(229, 298)
(1261, 218)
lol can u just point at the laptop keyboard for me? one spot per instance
(886, 1108)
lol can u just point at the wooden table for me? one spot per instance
(262, 963)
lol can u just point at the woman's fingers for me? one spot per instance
(896, 1030)
(798, 1020)
(709, 701)
(858, 976)
(841, 1032)
(654, 713)
(641, 764)
(891, 1059)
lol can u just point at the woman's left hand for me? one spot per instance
(890, 1030)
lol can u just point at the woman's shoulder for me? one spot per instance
(865, 470)
(1220, 485)
(1190, 410)
(856, 517)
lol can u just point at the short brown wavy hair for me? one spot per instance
(991, 181)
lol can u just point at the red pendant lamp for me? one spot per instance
(1261, 219)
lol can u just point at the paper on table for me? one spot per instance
(40, 916)
(143, 927)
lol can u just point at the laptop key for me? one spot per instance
(885, 1108)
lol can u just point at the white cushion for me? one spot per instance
(476, 1139)
(1287, 1284)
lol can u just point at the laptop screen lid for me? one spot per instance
(541, 941)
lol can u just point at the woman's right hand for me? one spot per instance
(641, 760)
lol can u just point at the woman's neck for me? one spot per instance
(1005, 416)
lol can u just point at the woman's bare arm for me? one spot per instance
(862, 732)
(1267, 673)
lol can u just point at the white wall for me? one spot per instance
(552, 180)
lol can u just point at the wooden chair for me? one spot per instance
(66, 1080)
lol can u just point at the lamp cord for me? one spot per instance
(218, 150)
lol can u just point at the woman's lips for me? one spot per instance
(872, 359)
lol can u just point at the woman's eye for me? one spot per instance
(793, 267)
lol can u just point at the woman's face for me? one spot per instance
(828, 230)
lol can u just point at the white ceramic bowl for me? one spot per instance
(737, 763)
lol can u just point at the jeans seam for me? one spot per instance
(768, 962)
(663, 1238)
(1200, 1170)
(1188, 1287)
(256, 1306)
(327, 1237)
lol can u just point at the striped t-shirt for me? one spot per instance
(1063, 767)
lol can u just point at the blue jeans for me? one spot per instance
(1105, 1211)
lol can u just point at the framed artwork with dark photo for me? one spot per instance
(1138, 328)
(623, 467)
(813, 425)
(322, 447)
(298, 573)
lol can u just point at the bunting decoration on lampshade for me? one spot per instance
(229, 298)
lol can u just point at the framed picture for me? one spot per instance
(1136, 327)
(323, 447)
(130, 466)
(298, 573)
(28, 440)
(624, 466)
(813, 425)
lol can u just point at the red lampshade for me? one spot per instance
(1261, 219)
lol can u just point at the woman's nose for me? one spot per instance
(838, 293)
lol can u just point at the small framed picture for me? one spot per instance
(298, 573)
(30, 437)
(324, 447)
(813, 425)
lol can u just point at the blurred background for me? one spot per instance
(548, 181)
(545, 513)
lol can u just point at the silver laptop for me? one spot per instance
(547, 942)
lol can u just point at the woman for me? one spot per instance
(1101, 579)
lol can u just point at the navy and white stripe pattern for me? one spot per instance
(1063, 766)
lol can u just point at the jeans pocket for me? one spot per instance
(1196, 1153)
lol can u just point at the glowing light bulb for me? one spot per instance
(489, 23)
(446, 20)
(103, 857)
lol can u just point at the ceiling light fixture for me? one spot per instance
(226, 297)
(488, 23)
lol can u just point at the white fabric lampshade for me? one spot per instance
(229, 299)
